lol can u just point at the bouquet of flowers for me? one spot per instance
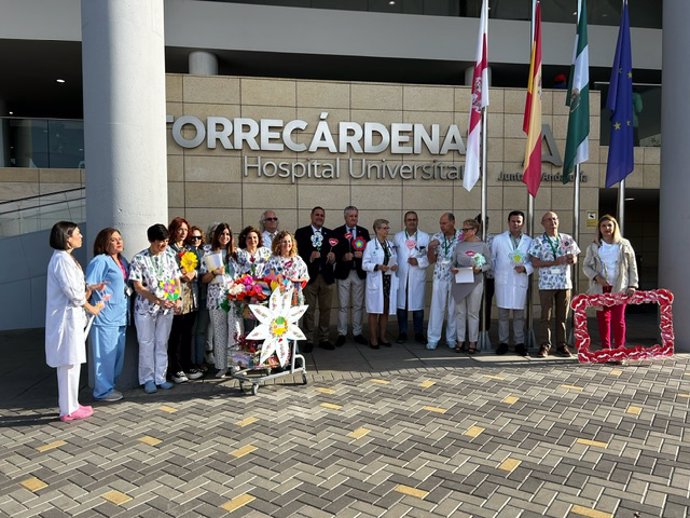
(188, 261)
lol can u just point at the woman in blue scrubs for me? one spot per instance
(107, 338)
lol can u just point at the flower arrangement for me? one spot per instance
(188, 261)
(478, 260)
(517, 257)
(359, 244)
(317, 240)
(168, 290)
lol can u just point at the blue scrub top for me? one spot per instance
(103, 268)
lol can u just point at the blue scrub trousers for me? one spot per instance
(108, 353)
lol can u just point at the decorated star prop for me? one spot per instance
(277, 325)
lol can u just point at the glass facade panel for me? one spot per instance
(647, 116)
(45, 143)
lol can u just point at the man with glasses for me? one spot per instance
(440, 253)
(554, 254)
(412, 245)
(269, 228)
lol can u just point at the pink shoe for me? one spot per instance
(80, 413)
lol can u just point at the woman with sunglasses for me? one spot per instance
(195, 243)
(180, 343)
(472, 253)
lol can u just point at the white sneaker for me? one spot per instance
(180, 377)
(194, 374)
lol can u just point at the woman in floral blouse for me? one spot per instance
(156, 279)
(219, 268)
(181, 334)
(252, 258)
(288, 264)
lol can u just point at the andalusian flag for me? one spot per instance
(577, 143)
(531, 174)
(479, 100)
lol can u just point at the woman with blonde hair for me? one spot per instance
(380, 261)
(611, 267)
(473, 253)
(286, 262)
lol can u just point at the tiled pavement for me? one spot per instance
(394, 432)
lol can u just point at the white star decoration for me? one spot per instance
(278, 325)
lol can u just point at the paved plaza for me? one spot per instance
(394, 432)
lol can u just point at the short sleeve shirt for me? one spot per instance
(444, 259)
(151, 270)
(547, 248)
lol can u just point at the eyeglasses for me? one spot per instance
(467, 229)
(195, 238)
(270, 219)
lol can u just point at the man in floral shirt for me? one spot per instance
(440, 251)
(553, 254)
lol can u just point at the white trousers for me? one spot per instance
(68, 388)
(468, 314)
(518, 326)
(153, 332)
(354, 286)
(441, 303)
(227, 326)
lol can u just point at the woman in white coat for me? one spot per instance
(66, 299)
(380, 262)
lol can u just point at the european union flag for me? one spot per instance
(621, 157)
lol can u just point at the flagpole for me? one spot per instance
(484, 339)
(576, 223)
(621, 206)
(530, 339)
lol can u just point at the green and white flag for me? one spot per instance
(577, 142)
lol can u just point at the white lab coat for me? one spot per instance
(511, 286)
(373, 255)
(412, 276)
(65, 342)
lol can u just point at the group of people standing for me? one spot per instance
(181, 283)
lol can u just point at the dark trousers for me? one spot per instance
(180, 342)
(417, 321)
(489, 288)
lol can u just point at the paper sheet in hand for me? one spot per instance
(464, 275)
(213, 261)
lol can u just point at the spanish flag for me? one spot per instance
(531, 125)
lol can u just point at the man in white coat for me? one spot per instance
(411, 244)
(512, 269)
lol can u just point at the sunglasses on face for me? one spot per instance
(271, 219)
(195, 238)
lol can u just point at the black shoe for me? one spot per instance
(420, 338)
(402, 338)
(521, 349)
(360, 340)
(307, 347)
(387, 344)
(502, 348)
(340, 341)
(326, 344)
(373, 346)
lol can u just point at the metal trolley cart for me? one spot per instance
(260, 374)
